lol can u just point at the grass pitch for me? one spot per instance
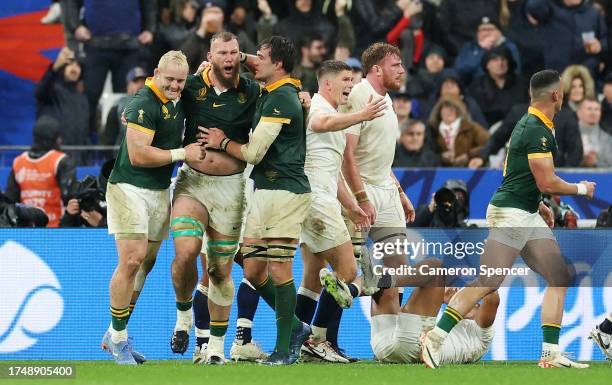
(183, 372)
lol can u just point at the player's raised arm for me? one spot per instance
(336, 122)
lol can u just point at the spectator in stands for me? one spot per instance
(407, 35)
(606, 105)
(488, 36)
(499, 88)
(428, 76)
(577, 85)
(197, 44)
(596, 143)
(411, 150)
(526, 36)
(450, 85)
(112, 32)
(60, 94)
(305, 18)
(42, 176)
(402, 105)
(459, 18)
(312, 53)
(567, 135)
(241, 22)
(456, 137)
(449, 207)
(345, 39)
(184, 18)
(114, 130)
(357, 69)
(373, 19)
(575, 32)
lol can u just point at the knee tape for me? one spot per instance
(223, 294)
(187, 227)
(253, 250)
(358, 246)
(281, 251)
(222, 249)
(202, 289)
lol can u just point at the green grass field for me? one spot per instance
(370, 373)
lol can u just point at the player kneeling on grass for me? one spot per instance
(396, 331)
(138, 195)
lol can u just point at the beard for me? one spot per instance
(390, 84)
(220, 75)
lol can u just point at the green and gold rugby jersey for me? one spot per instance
(532, 137)
(149, 111)
(231, 111)
(282, 167)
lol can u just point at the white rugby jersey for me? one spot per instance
(377, 138)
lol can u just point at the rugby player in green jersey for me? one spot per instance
(138, 196)
(520, 223)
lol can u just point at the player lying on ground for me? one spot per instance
(519, 224)
(396, 331)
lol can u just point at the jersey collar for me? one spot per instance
(206, 78)
(295, 82)
(534, 111)
(149, 83)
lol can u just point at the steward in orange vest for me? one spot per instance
(42, 176)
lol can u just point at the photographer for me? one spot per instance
(87, 206)
(449, 207)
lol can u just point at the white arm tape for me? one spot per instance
(261, 140)
(582, 189)
(177, 154)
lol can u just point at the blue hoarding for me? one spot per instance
(54, 302)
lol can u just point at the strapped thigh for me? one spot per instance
(187, 227)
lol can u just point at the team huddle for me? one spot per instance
(321, 170)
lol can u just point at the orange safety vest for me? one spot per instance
(37, 180)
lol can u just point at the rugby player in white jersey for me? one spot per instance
(369, 154)
(325, 238)
(396, 331)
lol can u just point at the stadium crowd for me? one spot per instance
(467, 61)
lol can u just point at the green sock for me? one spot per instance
(119, 318)
(449, 319)
(551, 333)
(267, 291)
(131, 309)
(184, 306)
(218, 328)
(285, 311)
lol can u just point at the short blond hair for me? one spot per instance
(177, 58)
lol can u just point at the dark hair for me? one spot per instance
(332, 67)
(309, 38)
(541, 81)
(281, 50)
(224, 36)
(375, 53)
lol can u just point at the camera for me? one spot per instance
(89, 194)
(19, 215)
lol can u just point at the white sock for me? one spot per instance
(439, 332)
(184, 320)
(216, 344)
(118, 335)
(548, 349)
(319, 334)
(202, 333)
